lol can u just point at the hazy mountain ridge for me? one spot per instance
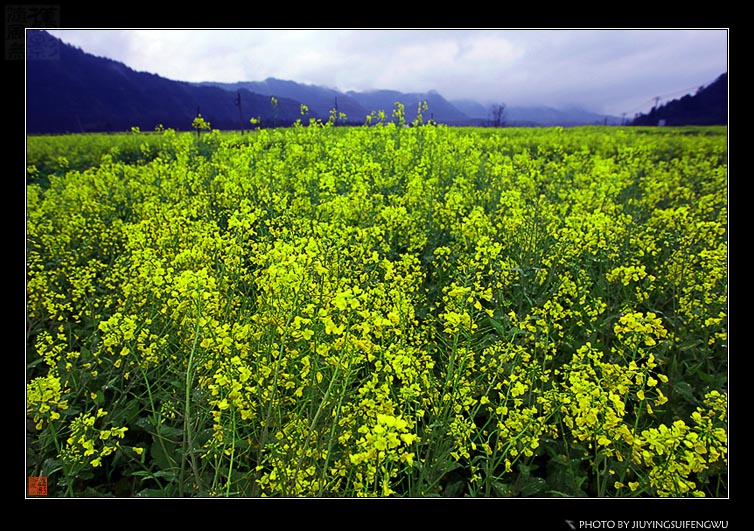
(534, 115)
(79, 92)
(320, 100)
(357, 105)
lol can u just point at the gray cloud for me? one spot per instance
(606, 70)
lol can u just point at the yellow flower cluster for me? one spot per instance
(678, 454)
(637, 329)
(88, 443)
(602, 402)
(383, 443)
(44, 399)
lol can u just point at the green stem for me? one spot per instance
(312, 424)
(66, 472)
(189, 438)
(232, 453)
(333, 427)
(268, 414)
(155, 415)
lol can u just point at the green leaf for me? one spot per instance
(503, 490)
(532, 486)
(683, 389)
(143, 423)
(150, 493)
(167, 474)
(99, 399)
(163, 458)
(50, 466)
(454, 489)
(558, 494)
(498, 326)
(169, 431)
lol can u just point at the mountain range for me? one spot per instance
(70, 90)
(708, 106)
(321, 100)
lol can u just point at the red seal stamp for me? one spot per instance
(37, 485)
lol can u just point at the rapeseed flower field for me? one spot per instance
(379, 310)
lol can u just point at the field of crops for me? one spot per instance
(379, 310)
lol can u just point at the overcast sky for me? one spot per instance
(611, 71)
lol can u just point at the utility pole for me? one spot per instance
(240, 113)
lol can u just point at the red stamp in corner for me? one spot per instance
(37, 485)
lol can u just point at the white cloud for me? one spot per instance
(605, 70)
